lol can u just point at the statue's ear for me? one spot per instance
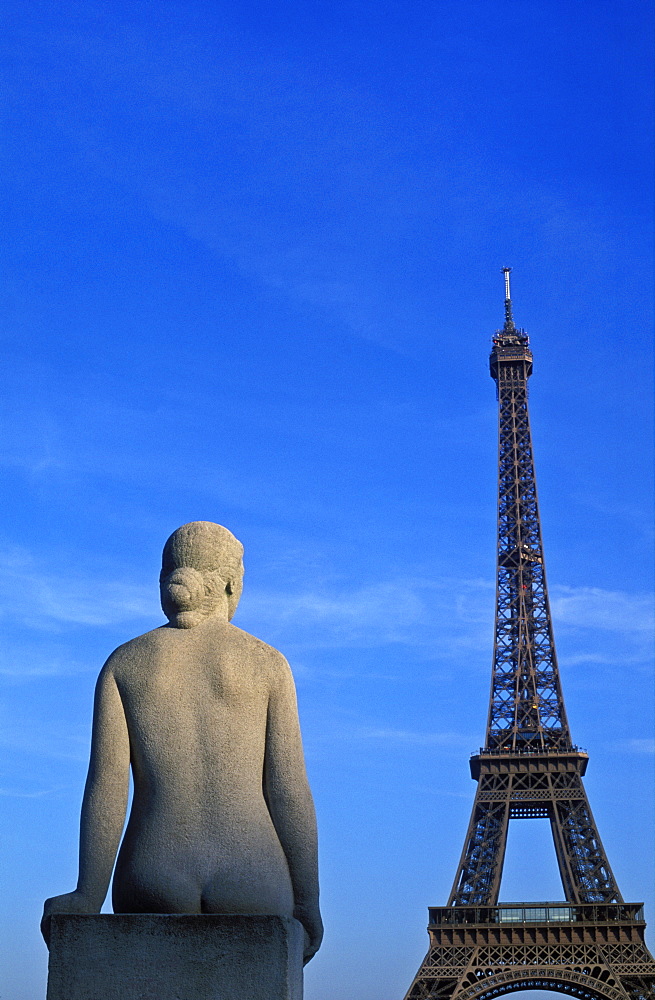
(233, 589)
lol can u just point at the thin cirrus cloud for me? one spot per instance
(18, 793)
(25, 662)
(455, 614)
(370, 736)
(384, 612)
(411, 737)
(412, 612)
(54, 739)
(635, 745)
(610, 610)
(43, 599)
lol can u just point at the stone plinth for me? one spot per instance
(169, 957)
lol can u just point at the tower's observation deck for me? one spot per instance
(509, 350)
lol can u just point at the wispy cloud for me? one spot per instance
(452, 615)
(638, 518)
(414, 612)
(20, 736)
(375, 738)
(441, 792)
(18, 793)
(34, 661)
(40, 598)
(379, 614)
(610, 610)
(446, 615)
(635, 745)
(410, 737)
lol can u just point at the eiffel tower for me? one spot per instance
(592, 945)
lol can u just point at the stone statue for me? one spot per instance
(222, 819)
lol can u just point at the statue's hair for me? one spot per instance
(205, 546)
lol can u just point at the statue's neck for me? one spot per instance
(191, 619)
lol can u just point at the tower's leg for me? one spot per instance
(481, 865)
(586, 874)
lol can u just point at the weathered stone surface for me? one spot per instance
(158, 957)
(222, 818)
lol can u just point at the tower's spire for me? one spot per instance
(509, 321)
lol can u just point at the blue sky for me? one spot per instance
(250, 271)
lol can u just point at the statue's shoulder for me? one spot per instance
(137, 646)
(238, 635)
(259, 650)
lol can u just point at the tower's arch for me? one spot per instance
(593, 984)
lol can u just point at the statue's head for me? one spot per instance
(201, 574)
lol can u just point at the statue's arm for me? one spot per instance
(103, 807)
(290, 804)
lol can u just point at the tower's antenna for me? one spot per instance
(509, 321)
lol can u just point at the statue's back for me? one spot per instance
(196, 705)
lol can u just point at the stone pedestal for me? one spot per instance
(161, 957)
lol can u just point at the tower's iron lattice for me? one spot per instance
(592, 945)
